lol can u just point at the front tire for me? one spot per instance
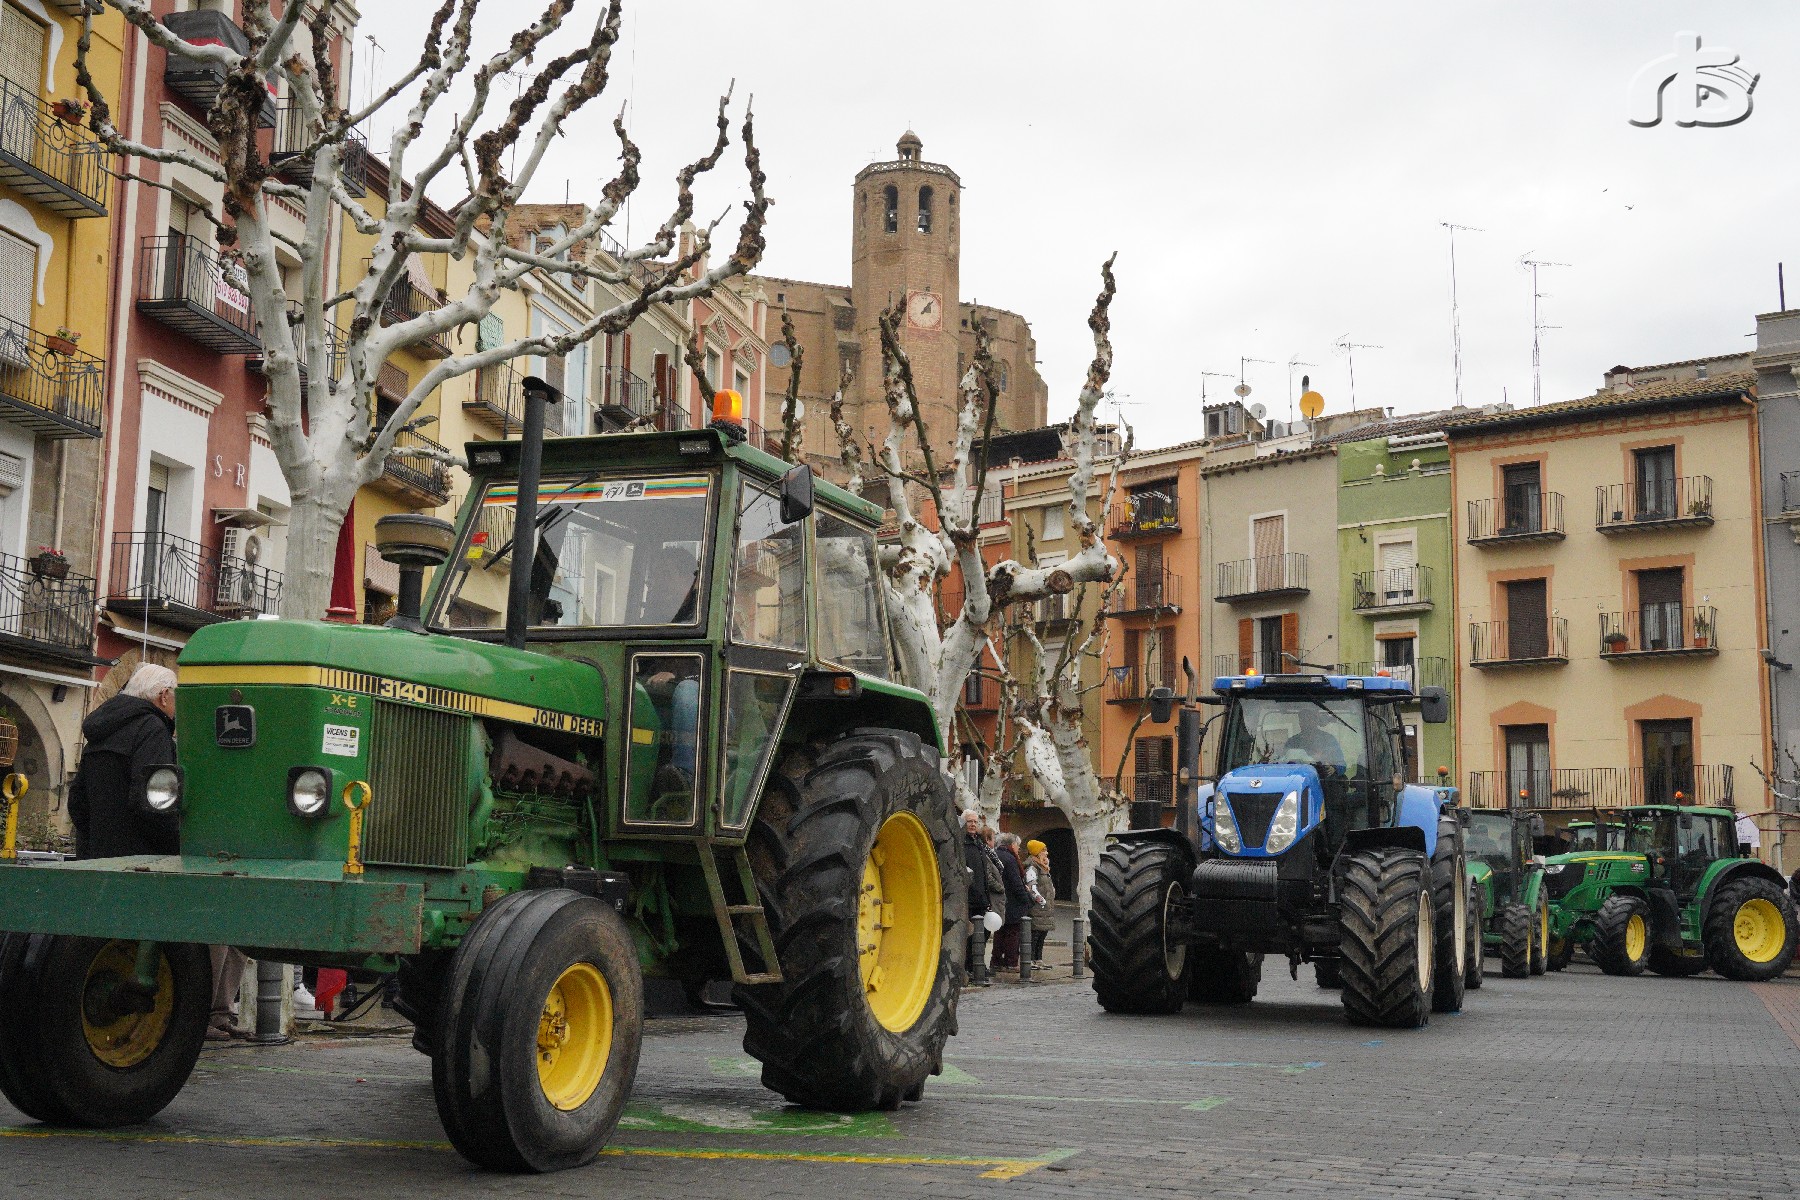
(1472, 970)
(1223, 976)
(1450, 918)
(1621, 942)
(80, 1045)
(1138, 888)
(1561, 952)
(1540, 935)
(541, 1022)
(1328, 973)
(1750, 931)
(1514, 923)
(1386, 938)
(859, 866)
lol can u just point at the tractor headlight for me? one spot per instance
(162, 789)
(1286, 825)
(309, 791)
(1225, 830)
(1554, 868)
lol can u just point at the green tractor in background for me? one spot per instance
(1509, 882)
(642, 724)
(1665, 889)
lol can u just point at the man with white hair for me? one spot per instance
(123, 739)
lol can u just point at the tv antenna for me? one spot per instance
(1206, 375)
(1242, 390)
(1291, 364)
(1528, 263)
(1349, 348)
(1455, 312)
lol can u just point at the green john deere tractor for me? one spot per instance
(1509, 878)
(1673, 896)
(640, 724)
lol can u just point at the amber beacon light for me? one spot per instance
(728, 406)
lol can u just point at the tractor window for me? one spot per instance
(1650, 833)
(1490, 835)
(662, 763)
(768, 600)
(753, 707)
(1702, 839)
(850, 630)
(1288, 729)
(610, 552)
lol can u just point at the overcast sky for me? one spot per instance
(1273, 176)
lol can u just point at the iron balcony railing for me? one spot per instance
(1523, 516)
(411, 466)
(406, 301)
(54, 162)
(1148, 516)
(1790, 491)
(43, 614)
(292, 153)
(625, 396)
(337, 345)
(1253, 578)
(1500, 643)
(1394, 588)
(199, 83)
(47, 386)
(171, 580)
(1243, 664)
(992, 509)
(1159, 591)
(497, 398)
(183, 283)
(491, 543)
(1420, 673)
(1625, 507)
(1054, 608)
(1151, 787)
(1659, 629)
(1135, 683)
(1603, 787)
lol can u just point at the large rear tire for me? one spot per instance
(858, 862)
(541, 1022)
(1514, 923)
(1450, 918)
(1386, 938)
(1472, 977)
(1750, 930)
(1139, 967)
(1664, 961)
(1621, 942)
(1223, 976)
(81, 1045)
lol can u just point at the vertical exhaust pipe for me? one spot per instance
(524, 539)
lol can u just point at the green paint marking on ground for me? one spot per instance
(739, 1118)
(955, 1076)
(1206, 1105)
(732, 1066)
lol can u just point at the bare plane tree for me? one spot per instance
(340, 446)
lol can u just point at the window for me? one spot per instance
(21, 57)
(925, 210)
(1528, 618)
(1004, 376)
(715, 363)
(1527, 762)
(1654, 482)
(1397, 582)
(972, 690)
(1668, 756)
(1659, 609)
(1268, 546)
(662, 765)
(1054, 515)
(18, 290)
(768, 603)
(1522, 498)
(890, 220)
(849, 598)
(1397, 656)
(1154, 506)
(1270, 659)
(740, 380)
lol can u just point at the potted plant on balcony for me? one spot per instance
(64, 341)
(1614, 641)
(70, 111)
(49, 563)
(1702, 631)
(1700, 506)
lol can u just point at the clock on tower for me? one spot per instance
(925, 310)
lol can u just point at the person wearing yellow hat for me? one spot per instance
(1043, 895)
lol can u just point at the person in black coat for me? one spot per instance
(1018, 903)
(975, 862)
(124, 738)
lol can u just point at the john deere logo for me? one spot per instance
(234, 726)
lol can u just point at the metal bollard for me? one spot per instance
(1025, 949)
(271, 979)
(1078, 947)
(978, 970)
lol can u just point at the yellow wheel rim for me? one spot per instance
(1759, 930)
(1637, 936)
(1543, 928)
(124, 1041)
(900, 922)
(574, 1036)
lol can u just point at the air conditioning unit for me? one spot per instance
(243, 544)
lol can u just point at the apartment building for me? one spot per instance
(1778, 447)
(1609, 586)
(58, 210)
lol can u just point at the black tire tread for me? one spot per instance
(1607, 948)
(1125, 927)
(1449, 973)
(1381, 890)
(1223, 976)
(1514, 924)
(1720, 941)
(1472, 975)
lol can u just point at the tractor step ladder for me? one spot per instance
(729, 914)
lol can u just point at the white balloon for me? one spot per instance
(992, 921)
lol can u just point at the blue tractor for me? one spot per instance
(1307, 842)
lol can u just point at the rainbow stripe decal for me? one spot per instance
(601, 491)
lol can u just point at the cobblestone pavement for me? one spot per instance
(1574, 1084)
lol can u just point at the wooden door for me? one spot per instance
(1527, 619)
(1268, 540)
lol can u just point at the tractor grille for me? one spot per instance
(1235, 879)
(1254, 811)
(419, 777)
(1561, 883)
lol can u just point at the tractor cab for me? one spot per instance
(1680, 843)
(1499, 843)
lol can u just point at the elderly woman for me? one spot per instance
(1018, 902)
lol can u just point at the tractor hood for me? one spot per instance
(1479, 871)
(1248, 813)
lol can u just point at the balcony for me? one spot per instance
(183, 284)
(290, 154)
(412, 473)
(1129, 684)
(1151, 787)
(1602, 787)
(1147, 516)
(53, 162)
(980, 694)
(1659, 631)
(1055, 609)
(337, 344)
(490, 546)
(1500, 644)
(1261, 578)
(407, 301)
(1526, 517)
(1393, 592)
(1422, 673)
(42, 617)
(1243, 664)
(56, 393)
(1667, 504)
(162, 579)
(1147, 595)
(625, 397)
(497, 399)
(199, 83)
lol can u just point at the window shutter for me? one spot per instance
(18, 280)
(1290, 636)
(1246, 642)
(659, 374)
(21, 49)
(490, 333)
(1168, 658)
(1396, 556)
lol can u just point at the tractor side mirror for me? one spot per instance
(1162, 705)
(797, 494)
(1687, 821)
(1434, 705)
(1537, 826)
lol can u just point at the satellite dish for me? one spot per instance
(1311, 404)
(1259, 411)
(1242, 390)
(779, 355)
